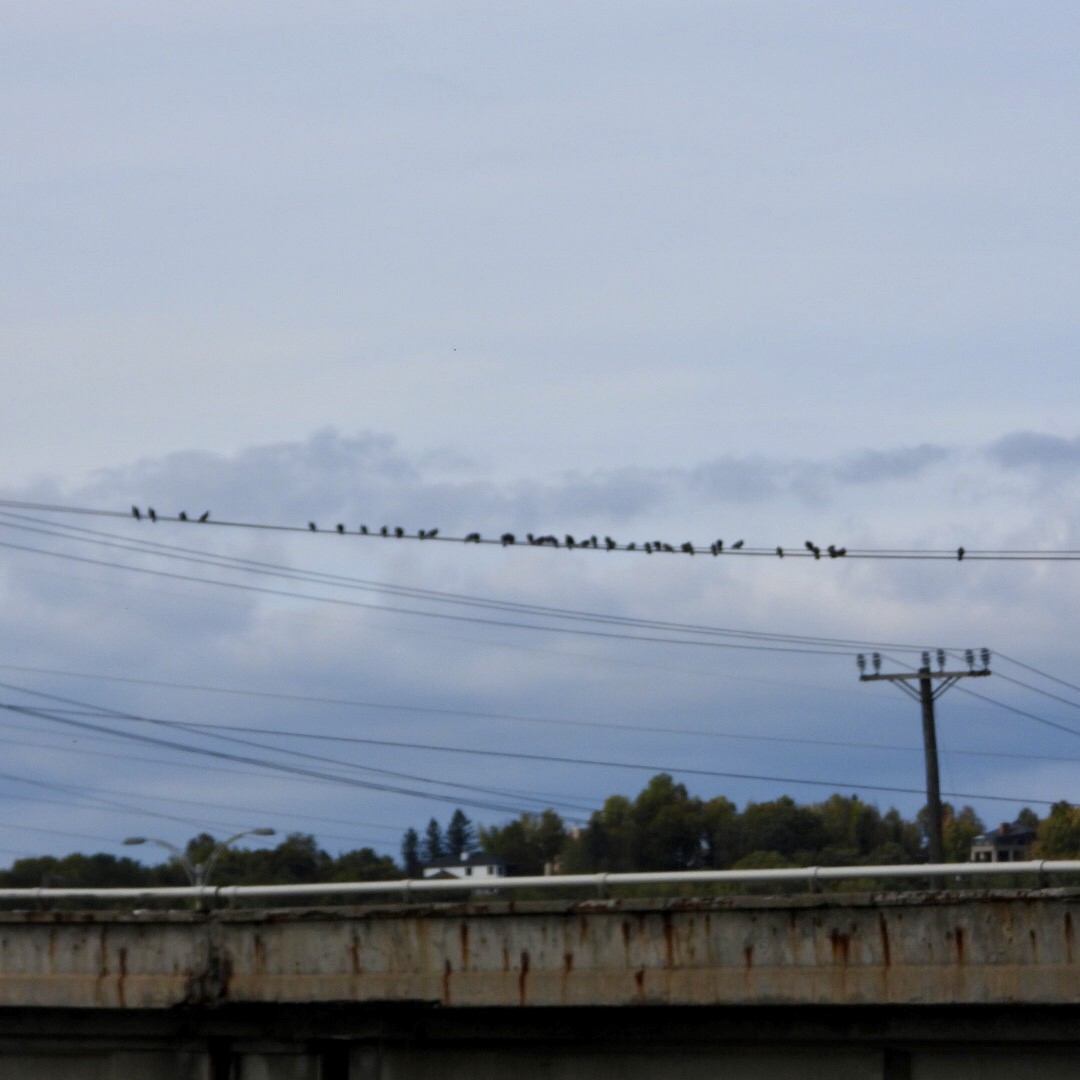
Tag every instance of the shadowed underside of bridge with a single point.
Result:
(891, 986)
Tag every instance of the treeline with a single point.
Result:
(666, 828)
(297, 860)
(663, 827)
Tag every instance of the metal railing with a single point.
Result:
(813, 876)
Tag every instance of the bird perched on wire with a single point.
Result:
(182, 515)
(340, 527)
(472, 538)
(780, 552)
(204, 516)
(687, 547)
(959, 552)
(363, 530)
(399, 531)
(312, 526)
(507, 539)
(151, 513)
(609, 543)
(738, 544)
(135, 513)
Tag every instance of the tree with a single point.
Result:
(460, 836)
(958, 829)
(669, 826)
(432, 846)
(795, 832)
(364, 865)
(410, 853)
(1059, 833)
(529, 843)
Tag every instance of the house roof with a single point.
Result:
(477, 858)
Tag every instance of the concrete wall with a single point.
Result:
(889, 986)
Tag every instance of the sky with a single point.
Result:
(681, 272)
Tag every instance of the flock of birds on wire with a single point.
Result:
(717, 547)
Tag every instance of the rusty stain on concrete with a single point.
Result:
(1068, 938)
(841, 947)
(523, 976)
(748, 956)
(354, 954)
(669, 940)
(958, 939)
(883, 933)
(448, 970)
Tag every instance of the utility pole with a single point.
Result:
(926, 695)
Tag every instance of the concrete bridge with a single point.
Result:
(890, 986)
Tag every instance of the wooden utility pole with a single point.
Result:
(926, 695)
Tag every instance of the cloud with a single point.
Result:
(873, 466)
(1032, 450)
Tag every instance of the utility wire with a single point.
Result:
(411, 592)
(800, 550)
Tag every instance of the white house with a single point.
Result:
(477, 865)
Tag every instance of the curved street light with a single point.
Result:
(198, 873)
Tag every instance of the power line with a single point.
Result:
(555, 759)
(318, 577)
(803, 550)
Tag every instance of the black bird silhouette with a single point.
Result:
(312, 526)
(204, 516)
(609, 543)
(570, 542)
(384, 531)
(363, 530)
(507, 539)
(809, 545)
(399, 531)
(151, 513)
(631, 546)
(714, 547)
(831, 549)
(738, 544)
(182, 515)
(648, 549)
(668, 547)
(340, 528)
(719, 546)
(472, 538)
(959, 553)
(135, 513)
(688, 548)
(780, 552)
(593, 542)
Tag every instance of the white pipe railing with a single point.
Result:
(812, 875)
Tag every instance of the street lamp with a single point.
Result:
(198, 873)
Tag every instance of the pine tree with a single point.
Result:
(432, 847)
(410, 853)
(460, 835)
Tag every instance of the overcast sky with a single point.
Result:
(679, 271)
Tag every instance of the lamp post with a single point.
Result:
(198, 873)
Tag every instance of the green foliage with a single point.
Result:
(528, 844)
(410, 853)
(1059, 833)
(460, 836)
(432, 847)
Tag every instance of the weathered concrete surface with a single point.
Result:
(907, 949)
